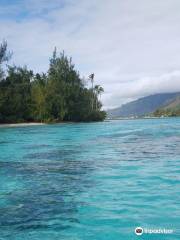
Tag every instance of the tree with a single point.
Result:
(38, 96)
(15, 95)
(4, 56)
(91, 77)
(98, 91)
(59, 95)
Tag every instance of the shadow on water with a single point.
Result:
(53, 154)
(46, 197)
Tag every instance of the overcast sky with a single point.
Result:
(133, 47)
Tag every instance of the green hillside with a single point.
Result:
(171, 109)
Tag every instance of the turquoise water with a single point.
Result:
(95, 181)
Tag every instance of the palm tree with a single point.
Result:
(91, 77)
(98, 90)
(101, 90)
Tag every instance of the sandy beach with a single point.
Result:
(20, 124)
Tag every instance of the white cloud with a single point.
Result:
(127, 91)
(132, 46)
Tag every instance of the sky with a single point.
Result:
(133, 47)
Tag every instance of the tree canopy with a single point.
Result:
(58, 95)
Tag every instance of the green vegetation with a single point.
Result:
(58, 95)
(172, 109)
(167, 113)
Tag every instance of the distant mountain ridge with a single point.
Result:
(143, 106)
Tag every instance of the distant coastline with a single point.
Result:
(141, 117)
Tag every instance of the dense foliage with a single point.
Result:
(58, 95)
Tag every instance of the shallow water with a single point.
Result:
(94, 181)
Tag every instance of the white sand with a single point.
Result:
(20, 124)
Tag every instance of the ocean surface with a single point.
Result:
(90, 181)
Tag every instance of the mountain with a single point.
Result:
(143, 106)
(171, 109)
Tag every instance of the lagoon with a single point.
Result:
(90, 181)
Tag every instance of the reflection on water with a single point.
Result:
(89, 181)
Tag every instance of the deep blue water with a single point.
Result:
(94, 181)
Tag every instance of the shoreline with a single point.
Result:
(29, 124)
(20, 124)
(137, 118)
